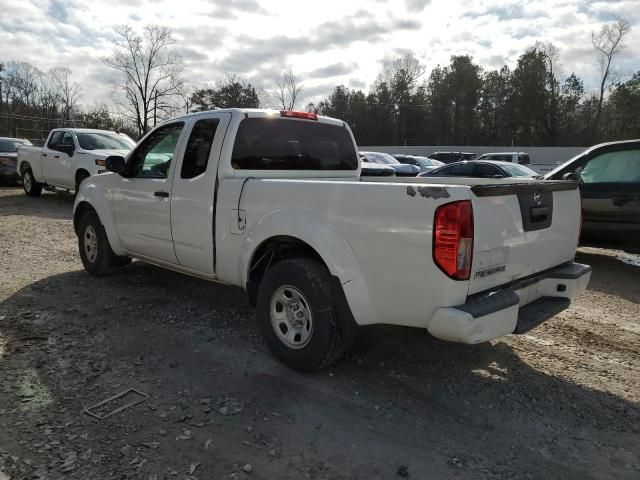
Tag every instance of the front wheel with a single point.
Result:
(95, 251)
(303, 315)
(31, 187)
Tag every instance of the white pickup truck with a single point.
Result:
(521, 158)
(273, 202)
(69, 156)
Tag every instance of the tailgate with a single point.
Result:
(521, 229)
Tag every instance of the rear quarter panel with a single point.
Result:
(32, 156)
(375, 237)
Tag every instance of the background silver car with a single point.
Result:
(8, 155)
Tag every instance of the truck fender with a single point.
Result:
(23, 165)
(328, 242)
(90, 196)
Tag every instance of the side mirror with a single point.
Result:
(68, 149)
(115, 164)
(571, 176)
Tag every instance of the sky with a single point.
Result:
(325, 43)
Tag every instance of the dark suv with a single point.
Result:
(450, 157)
(609, 178)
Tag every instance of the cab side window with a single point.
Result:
(67, 140)
(55, 139)
(196, 155)
(66, 144)
(152, 158)
(611, 167)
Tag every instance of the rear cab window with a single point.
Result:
(291, 144)
(523, 159)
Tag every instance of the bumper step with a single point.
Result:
(533, 314)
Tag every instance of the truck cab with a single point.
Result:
(68, 156)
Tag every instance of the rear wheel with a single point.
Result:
(95, 251)
(30, 185)
(303, 315)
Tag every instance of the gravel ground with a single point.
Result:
(560, 402)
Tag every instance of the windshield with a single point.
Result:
(11, 145)
(104, 141)
(428, 162)
(516, 170)
(379, 157)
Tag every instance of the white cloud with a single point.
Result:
(333, 39)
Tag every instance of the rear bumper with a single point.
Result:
(514, 308)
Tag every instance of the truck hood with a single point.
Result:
(107, 153)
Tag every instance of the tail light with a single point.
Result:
(453, 239)
(292, 114)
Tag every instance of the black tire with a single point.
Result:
(31, 187)
(81, 176)
(97, 257)
(333, 327)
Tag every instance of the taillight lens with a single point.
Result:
(453, 239)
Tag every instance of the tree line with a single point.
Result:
(464, 104)
(460, 103)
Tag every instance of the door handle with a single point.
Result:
(56, 156)
(161, 194)
(44, 154)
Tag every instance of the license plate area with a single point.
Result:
(536, 210)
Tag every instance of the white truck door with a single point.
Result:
(142, 197)
(64, 164)
(194, 191)
(51, 157)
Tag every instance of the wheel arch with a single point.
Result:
(94, 200)
(82, 208)
(81, 170)
(271, 251)
(312, 238)
(23, 166)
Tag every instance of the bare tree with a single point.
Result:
(551, 54)
(22, 83)
(287, 91)
(150, 74)
(185, 92)
(608, 44)
(400, 75)
(67, 92)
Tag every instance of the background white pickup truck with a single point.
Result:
(521, 158)
(273, 202)
(68, 157)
